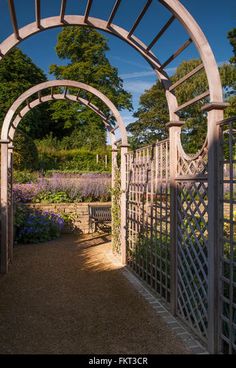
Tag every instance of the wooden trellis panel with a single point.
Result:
(192, 260)
(192, 242)
(148, 216)
(191, 167)
(227, 185)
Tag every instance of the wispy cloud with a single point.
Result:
(135, 75)
(126, 61)
(146, 74)
(137, 86)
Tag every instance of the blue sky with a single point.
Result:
(215, 17)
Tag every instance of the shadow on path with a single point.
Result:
(66, 297)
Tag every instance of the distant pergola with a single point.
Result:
(174, 169)
(25, 103)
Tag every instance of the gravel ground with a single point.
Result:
(66, 297)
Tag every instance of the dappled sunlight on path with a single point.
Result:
(66, 296)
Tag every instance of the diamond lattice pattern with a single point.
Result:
(192, 234)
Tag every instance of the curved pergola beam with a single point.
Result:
(10, 124)
(70, 20)
(178, 12)
(202, 45)
(55, 97)
(62, 83)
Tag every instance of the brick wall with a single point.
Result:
(79, 211)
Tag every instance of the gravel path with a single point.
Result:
(66, 297)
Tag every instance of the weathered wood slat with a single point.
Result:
(187, 76)
(177, 53)
(38, 12)
(62, 10)
(87, 10)
(140, 17)
(192, 101)
(113, 13)
(13, 18)
(164, 28)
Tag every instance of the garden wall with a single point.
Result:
(79, 212)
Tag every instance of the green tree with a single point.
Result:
(25, 152)
(84, 51)
(152, 114)
(231, 94)
(152, 117)
(17, 74)
(232, 40)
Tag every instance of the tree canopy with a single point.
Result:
(232, 40)
(152, 117)
(152, 114)
(231, 93)
(84, 51)
(17, 74)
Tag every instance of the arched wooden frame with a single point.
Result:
(178, 12)
(214, 108)
(10, 124)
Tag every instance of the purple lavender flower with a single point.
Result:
(85, 187)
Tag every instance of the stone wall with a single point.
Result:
(78, 211)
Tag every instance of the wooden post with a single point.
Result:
(105, 161)
(4, 206)
(174, 136)
(215, 114)
(114, 153)
(97, 158)
(10, 203)
(123, 227)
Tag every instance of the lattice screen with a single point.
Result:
(10, 208)
(148, 216)
(228, 241)
(192, 265)
(192, 241)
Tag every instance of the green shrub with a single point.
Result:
(53, 157)
(49, 197)
(25, 152)
(25, 176)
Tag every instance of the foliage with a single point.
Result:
(49, 173)
(34, 226)
(61, 189)
(25, 176)
(230, 111)
(84, 50)
(17, 74)
(152, 114)
(232, 40)
(49, 197)
(54, 155)
(24, 193)
(25, 154)
(152, 117)
(69, 221)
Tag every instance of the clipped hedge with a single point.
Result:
(76, 159)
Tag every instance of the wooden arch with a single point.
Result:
(214, 110)
(177, 10)
(10, 124)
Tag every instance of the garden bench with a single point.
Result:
(99, 214)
